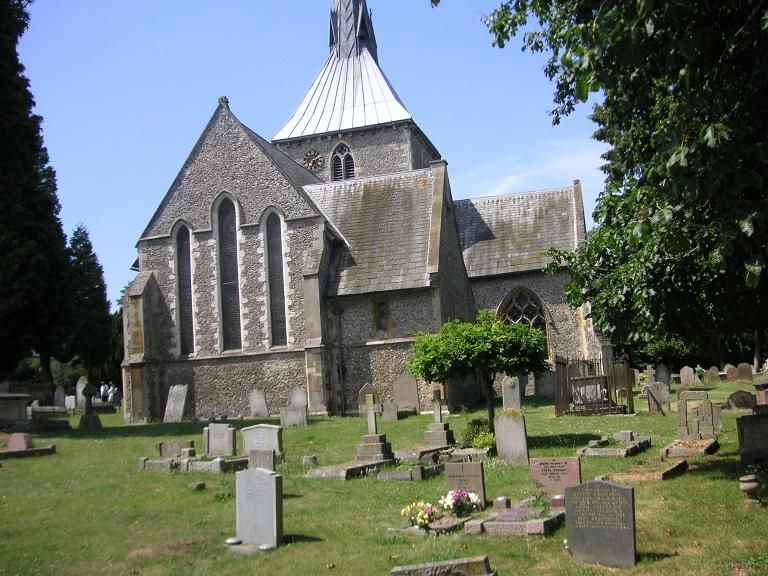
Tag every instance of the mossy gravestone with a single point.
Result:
(600, 524)
(511, 439)
(177, 401)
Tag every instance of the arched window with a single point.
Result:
(276, 280)
(524, 307)
(184, 290)
(229, 284)
(342, 164)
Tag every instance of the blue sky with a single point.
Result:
(126, 88)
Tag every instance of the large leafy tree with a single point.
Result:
(681, 242)
(33, 294)
(482, 349)
(90, 338)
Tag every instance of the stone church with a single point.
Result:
(312, 260)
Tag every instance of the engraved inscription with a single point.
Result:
(600, 507)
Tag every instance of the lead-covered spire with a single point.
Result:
(351, 29)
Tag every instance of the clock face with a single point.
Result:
(314, 161)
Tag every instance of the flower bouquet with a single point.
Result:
(420, 513)
(460, 502)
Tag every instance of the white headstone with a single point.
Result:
(511, 439)
(263, 437)
(299, 398)
(259, 503)
(219, 440)
(258, 404)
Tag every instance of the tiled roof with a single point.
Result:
(504, 234)
(350, 91)
(386, 220)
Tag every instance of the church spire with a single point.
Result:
(351, 29)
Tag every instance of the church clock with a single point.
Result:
(314, 161)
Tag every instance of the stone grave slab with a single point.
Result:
(467, 476)
(259, 508)
(753, 438)
(257, 402)
(600, 524)
(264, 459)
(405, 392)
(477, 566)
(741, 400)
(219, 440)
(658, 398)
(263, 437)
(556, 474)
(177, 401)
(299, 398)
(389, 412)
(172, 448)
(511, 439)
(291, 416)
(744, 372)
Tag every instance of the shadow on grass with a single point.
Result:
(298, 538)
(559, 440)
(718, 467)
(655, 556)
(291, 496)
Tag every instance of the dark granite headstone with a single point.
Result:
(753, 438)
(741, 400)
(467, 476)
(600, 524)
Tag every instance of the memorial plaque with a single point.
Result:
(511, 439)
(263, 437)
(219, 440)
(467, 476)
(177, 400)
(264, 459)
(257, 402)
(556, 474)
(259, 507)
(600, 524)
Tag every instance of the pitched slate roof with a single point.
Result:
(386, 220)
(505, 234)
(350, 91)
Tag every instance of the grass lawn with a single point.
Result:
(88, 510)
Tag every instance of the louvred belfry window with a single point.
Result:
(184, 288)
(276, 280)
(343, 164)
(229, 284)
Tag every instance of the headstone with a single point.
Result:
(753, 438)
(687, 376)
(389, 412)
(636, 372)
(259, 502)
(556, 474)
(658, 398)
(712, 376)
(172, 448)
(290, 416)
(662, 374)
(708, 420)
(600, 524)
(731, 374)
(466, 476)
(437, 411)
(79, 387)
(219, 440)
(511, 393)
(177, 400)
(70, 402)
(682, 410)
(744, 372)
(405, 392)
(264, 459)
(511, 439)
(741, 400)
(58, 396)
(19, 441)
(373, 427)
(257, 401)
(263, 437)
(366, 397)
(650, 376)
(299, 398)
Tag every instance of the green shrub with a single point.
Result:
(474, 427)
(484, 439)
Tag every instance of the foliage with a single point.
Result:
(665, 348)
(66, 374)
(460, 502)
(472, 429)
(33, 289)
(681, 241)
(484, 439)
(420, 513)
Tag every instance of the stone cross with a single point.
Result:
(372, 425)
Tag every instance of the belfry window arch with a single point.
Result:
(184, 311)
(342, 163)
(226, 230)
(523, 306)
(275, 269)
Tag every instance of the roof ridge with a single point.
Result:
(515, 195)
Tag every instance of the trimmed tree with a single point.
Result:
(483, 349)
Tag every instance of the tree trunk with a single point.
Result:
(45, 371)
(756, 358)
(489, 400)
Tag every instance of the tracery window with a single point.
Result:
(275, 275)
(229, 284)
(184, 290)
(525, 308)
(342, 164)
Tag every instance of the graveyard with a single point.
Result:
(88, 508)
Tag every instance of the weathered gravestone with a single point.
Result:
(19, 441)
(177, 401)
(259, 502)
(511, 439)
(741, 400)
(663, 375)
(466, 476)
(753, 438)
(556, 474)
(70, 402)
(264, 459)
(263, 437)
(712, 376)
(600, 524)
(299, 398)
(405, 392)
(79, 387)
(511, 393)
(477, 566)
(257, 402)
(744, 372)
(687, 376)
(58, 396)
(172, 448)
(389, 412)
(290, 416)
(658, 398)
(707, 419)
(731, 374)
(219, 440)
(366, 396)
